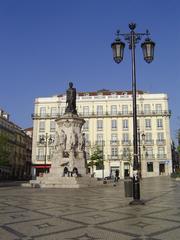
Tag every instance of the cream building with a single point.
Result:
(109, 122)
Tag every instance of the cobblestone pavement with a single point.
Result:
(91, 213)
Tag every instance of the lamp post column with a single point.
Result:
(136, 183)
(46, 144)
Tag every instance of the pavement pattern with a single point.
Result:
(91, 213)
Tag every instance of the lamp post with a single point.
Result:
(132, 38)
(46, 140)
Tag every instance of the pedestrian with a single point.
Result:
(116, 175)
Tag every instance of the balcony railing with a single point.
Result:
(149, 142)
(103, 114)
(114, 142)
(100, 143)
(42, 157)
(114, 157)
(126, 142)
(148, 156)
(161, 156)
(161, 142)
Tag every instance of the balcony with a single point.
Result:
(126, 142)
(42, 157)
(148, 157)
(114, 142)
(103, 114)
(160, 142)
(114, 157)
(161, 156)
(149, 142)
(100, 143)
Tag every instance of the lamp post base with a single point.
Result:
(137, 202)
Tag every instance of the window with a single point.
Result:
(138, 123)
(149, 167)
(124, 109)
(158, 108)
(40, 154)
(114, 151)
(148, 123)
(161, 151)
(160, 136)
(113, 109)
(99, 139)
(53, 111)
(125, 124)
(148, 137)
(62, 110)
(114, 138)
(159, 123)
(42, 136)
(126, 153)
(99, 125)
(52, 126)
(86, 126)
(51, 150)
(125, 137)
(42, 126)
(113, 124)
(99, 110)
(86, 110)
(149, 152)
(147, 108)
(137, 108)
(42, 111)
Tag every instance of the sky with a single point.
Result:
(44, 44)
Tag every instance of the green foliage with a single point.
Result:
(175, 175)
(178, 149)
(96, 159)
(4, 153)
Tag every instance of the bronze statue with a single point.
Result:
(71, 99)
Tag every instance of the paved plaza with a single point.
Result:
(91, 213)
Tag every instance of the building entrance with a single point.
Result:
(161, 168)
(126, 170)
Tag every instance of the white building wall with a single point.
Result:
(106, 101)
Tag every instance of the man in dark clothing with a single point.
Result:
(116, 175)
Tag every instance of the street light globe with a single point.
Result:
(118, 50)
(148, 50)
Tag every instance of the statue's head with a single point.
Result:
(70, 84)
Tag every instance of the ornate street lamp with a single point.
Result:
(46, 140)
(148, 50)
(132, 39)
(118, 49)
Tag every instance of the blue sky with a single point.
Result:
(44, 44)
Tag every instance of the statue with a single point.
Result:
(71, 99)
(82, 142)
(62, 140)
(73, 141)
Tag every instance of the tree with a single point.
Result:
(4, 153)
(96, 159)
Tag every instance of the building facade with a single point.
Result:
(109, 125)
(15, 150)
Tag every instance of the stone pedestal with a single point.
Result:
(68, 168)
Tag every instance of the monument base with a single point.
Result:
(48, 181)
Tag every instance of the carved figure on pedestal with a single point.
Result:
(62, 140)
(71, 99)
(82, 142)
(73, 141)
